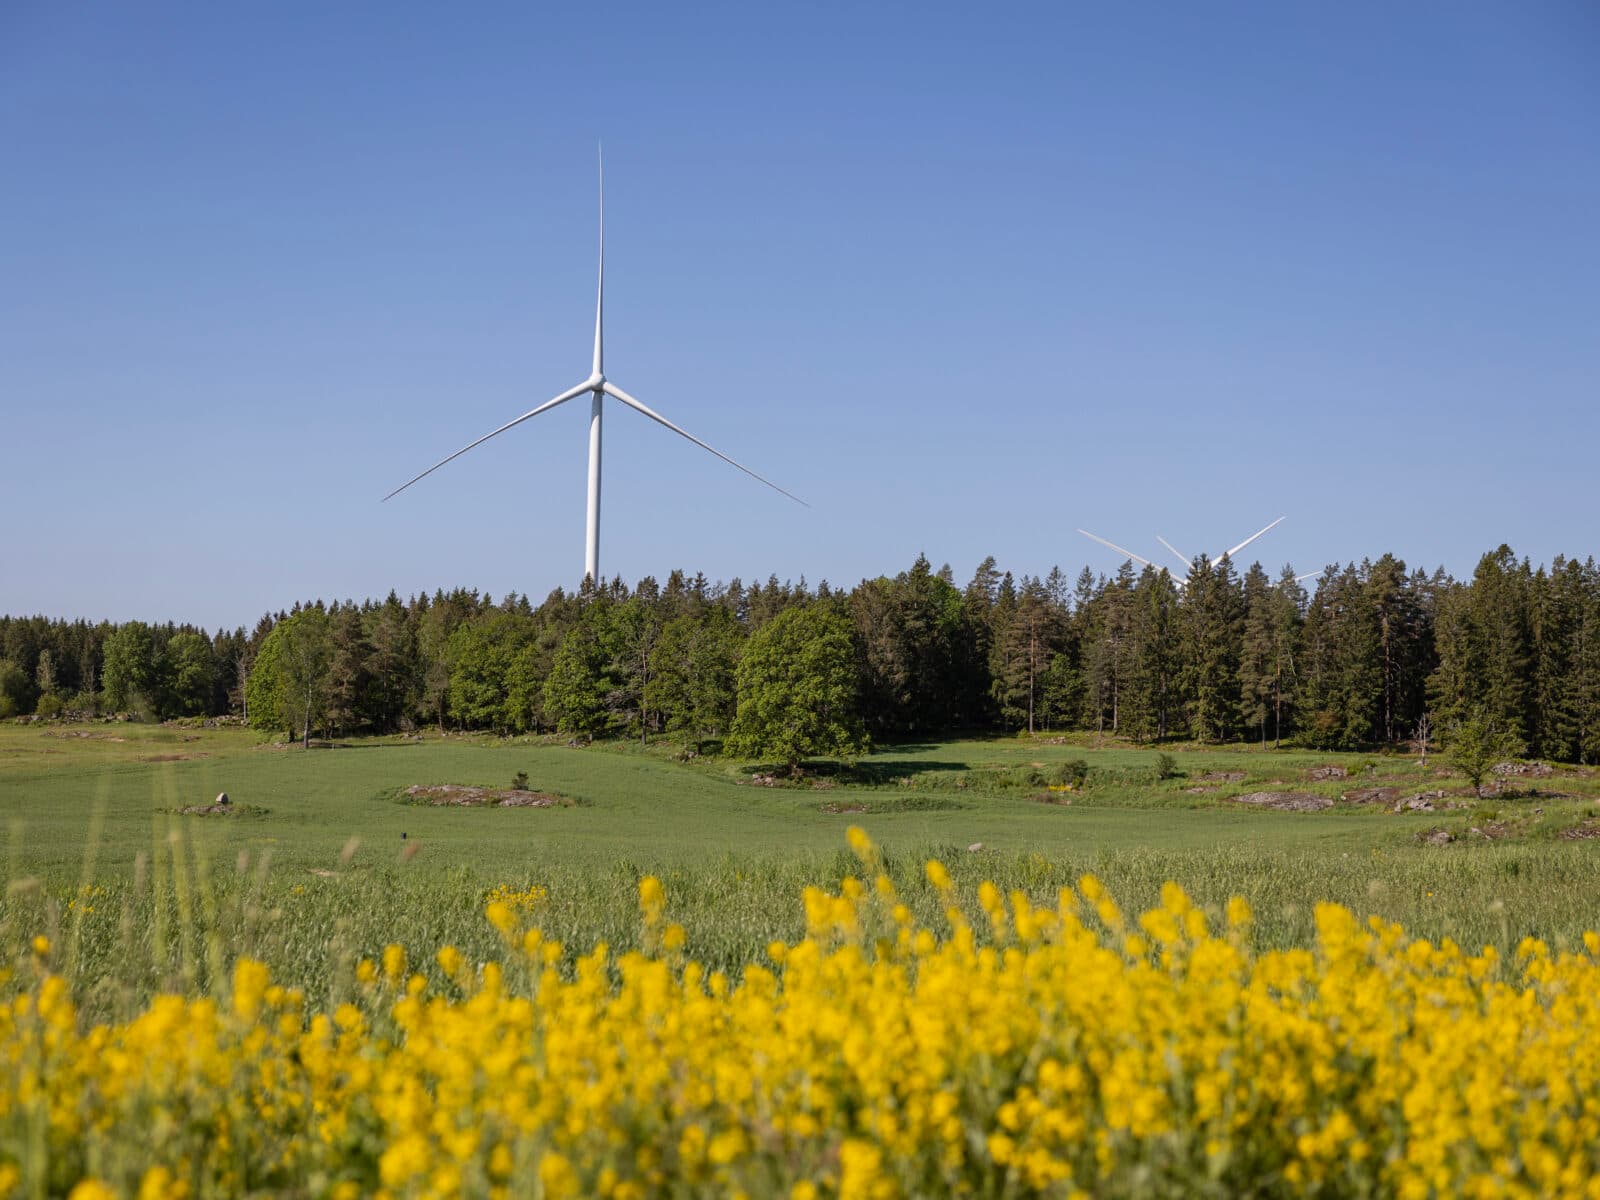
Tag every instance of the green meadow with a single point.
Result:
(324, 858)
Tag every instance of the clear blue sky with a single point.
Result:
(965, 277)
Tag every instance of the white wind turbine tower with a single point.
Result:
(599, 387)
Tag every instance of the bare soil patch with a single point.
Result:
(1223, 777)
(1436, 837)
(1285, 801)
(837, 808)
(451, 795)
(84, 733)
(1202, 790)
(1582, 832)
(170, 757)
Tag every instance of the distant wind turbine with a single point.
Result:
(1184, 558)
(599, 387)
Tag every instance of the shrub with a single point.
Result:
(519, 781)
(1071, 773)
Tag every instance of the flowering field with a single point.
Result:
(1059, 1048)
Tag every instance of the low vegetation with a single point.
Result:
(308, 976)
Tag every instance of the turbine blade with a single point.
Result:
(600, 295)
(613, 390)
(1184, 559)
(1230, 553)
(1307, 575)
(583, 387)
(1112, 545)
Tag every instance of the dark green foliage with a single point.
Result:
(14, 692)
(797, 690)
(130, 665)
(1358, 663)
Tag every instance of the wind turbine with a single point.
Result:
(598, 387)
(1184, 558)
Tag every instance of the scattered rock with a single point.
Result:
(975, 847)
(838, 808)
(222, 798)
(1199, 791)
(1491, 831)
(1052, 798)
(1421, 802)
(1582, 832)
(220, 809)
(453, 795)
(1436, 837)
(1384, 796)
(1223, 777)
(1537, 770)
(1286, 801)
(1318, 774)
(761, 780)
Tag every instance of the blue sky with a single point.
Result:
(965, 277)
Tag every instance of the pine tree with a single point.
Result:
(1214, 622)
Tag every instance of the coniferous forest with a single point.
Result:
(1371, 654)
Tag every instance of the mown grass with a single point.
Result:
(330, 864)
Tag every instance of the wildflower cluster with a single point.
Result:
(1058, 1048)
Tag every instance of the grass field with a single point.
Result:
(220, 1002)
(313, 871)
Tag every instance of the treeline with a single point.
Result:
(1374, 654)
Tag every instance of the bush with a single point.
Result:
(519, 781)
(1167, 767)
(1071, 773)
(49, 706)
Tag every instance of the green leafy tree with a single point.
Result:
(130, 666)
(484, 656)
(45, 674)
(190, 670)
(1478, 743)
(288, 686)
(797, 690)
(350, 683)
(395, 664)
(693, 673)
(577, 691)
(14, 695)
